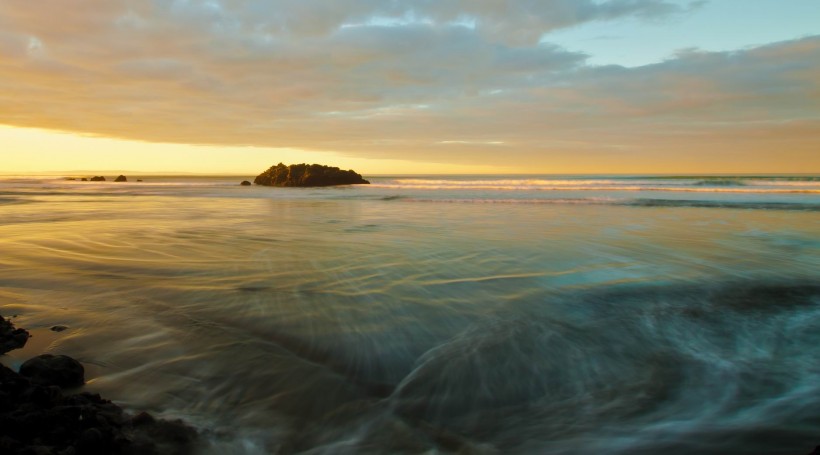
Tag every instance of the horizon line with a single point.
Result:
(84, 173)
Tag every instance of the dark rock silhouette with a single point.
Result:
(308, 175)
(139, 180)
(84, 179)
(59, 370)
(245, 183)
(58, 328)
(121, 178)
(10, 337)
(98, 178)
(37, 418)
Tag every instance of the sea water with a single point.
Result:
(481, 314)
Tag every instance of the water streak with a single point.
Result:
(395, 318)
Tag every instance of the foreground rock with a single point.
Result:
(39, 419)
(36, 417)
(308, 175)
(59, 370)
(11, 338)
(121, 178)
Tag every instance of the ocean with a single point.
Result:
(434, 314)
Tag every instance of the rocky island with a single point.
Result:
(297, 175)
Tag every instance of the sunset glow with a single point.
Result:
(450, 87)
(527, 227)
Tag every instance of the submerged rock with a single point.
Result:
(245, 183)
(121, 178)
(59, 370)
(10, 337)
(308, 175)
(58, 328)
(98, 178)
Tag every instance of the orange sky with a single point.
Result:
(451, 87)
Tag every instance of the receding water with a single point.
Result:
(546, 315)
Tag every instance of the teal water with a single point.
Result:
(491, 314)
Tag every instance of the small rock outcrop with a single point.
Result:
(121, 178)
(59, 370)
(308, 175)
(83, 179)
(97, 178)
(10, 337)
(245, 183)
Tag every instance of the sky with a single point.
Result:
(403, 87)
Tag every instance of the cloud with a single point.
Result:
(427, 80)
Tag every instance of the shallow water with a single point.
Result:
(566, 315)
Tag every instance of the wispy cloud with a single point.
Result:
(392, 79)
